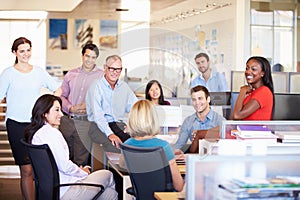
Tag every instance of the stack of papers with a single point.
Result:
(253, 130)
(260, 188)
(255, 133)
(288, 136)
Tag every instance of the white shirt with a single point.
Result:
(69, 172)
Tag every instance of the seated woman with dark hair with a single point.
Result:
(43, 129)
(154, 93)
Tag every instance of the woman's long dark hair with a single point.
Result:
(17, 42)
(161, 100)
(267, 78)
(40, 108)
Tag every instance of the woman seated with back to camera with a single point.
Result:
(43, 129)
(154, 93)
(143, 125)
(256, 100)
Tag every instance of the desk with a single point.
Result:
(123, 178)
(113, 164)
(182, 169)
(168, 196)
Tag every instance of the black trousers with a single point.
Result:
(118, 129)
(76, 135)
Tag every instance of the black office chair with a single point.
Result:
(46, 176)
(149, 171)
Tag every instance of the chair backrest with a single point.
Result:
(148, 169)
(45, 171)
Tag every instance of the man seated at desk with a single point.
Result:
(204, 123)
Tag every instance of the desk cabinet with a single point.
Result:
(206, 174)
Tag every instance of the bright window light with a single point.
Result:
(23, 14)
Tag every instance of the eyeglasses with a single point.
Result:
(112, 69)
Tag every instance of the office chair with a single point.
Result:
(46, 177)
(148, 169)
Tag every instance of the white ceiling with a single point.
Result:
(41, 5)
(106, 9)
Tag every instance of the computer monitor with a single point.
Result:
(286, 105)
(169, 116)
(220, 98)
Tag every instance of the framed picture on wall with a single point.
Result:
(83, 32)
(108, 34)
(58, 38)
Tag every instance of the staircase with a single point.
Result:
(6, 157)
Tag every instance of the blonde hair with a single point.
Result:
(143, 119)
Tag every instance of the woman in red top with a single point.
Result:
(256, 100)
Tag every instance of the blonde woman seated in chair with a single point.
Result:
(143, 125)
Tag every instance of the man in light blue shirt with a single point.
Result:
(213, 81)
(108, 101)
(203, 119)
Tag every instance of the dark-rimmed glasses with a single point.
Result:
(112, 69)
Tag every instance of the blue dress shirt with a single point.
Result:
(192, 123)
(105, 105)
(215, 83)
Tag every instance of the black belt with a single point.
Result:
(78, 117)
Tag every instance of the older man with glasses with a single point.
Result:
(108, 101)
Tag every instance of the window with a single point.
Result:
(272, 36)
(33, 29)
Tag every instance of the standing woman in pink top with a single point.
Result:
(256, 99)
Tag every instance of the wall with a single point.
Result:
(71, 57)
(212, 32)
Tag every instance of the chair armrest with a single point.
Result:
(131, 191)
(87, 184)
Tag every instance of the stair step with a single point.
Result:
(9, 171)
(7, 161)
(3, 135)
(2, 126)
(4, 144)
(6, 156)
(6, 153)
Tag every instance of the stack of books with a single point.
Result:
(255, 133)
(288, 136)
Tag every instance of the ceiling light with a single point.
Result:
(122, 9)
(192, 12)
